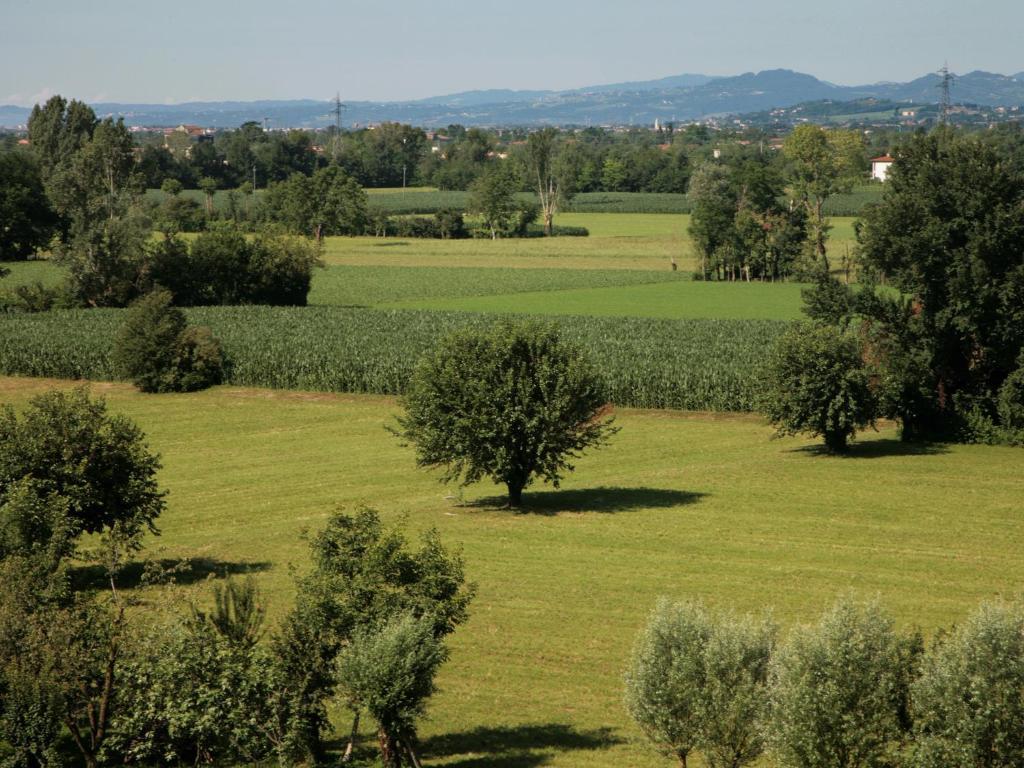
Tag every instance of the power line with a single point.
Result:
(338, 107)
(945, 85)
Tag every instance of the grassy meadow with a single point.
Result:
(611, 272)
(679, 504)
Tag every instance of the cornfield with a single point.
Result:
(683, 364)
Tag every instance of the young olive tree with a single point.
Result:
(390, 671)
(969, 700)
(364, 574)
(512, 403)
(839, 691)
(816, 382)
(699, 682)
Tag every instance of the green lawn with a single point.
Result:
(679, 299)
(370, 286)
(685, 505)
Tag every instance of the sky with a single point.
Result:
(184, 50)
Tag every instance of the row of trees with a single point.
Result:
(848, 692)
(759, 217)
(90, 669)
(943, 353)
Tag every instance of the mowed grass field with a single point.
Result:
(682, 505)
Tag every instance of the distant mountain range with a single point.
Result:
(679, 98)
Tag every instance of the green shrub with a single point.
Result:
(816, 382)
(969, 699)
(147, 342)
(158, 352)
(839, 691)
(511, 403)
(198, 360)
(699, 682)
(1011, 400)
(389, 670)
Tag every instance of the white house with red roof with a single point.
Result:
(880, 166)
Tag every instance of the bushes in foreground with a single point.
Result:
(850, 691)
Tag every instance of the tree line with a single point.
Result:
(850, 691)
(933, 334)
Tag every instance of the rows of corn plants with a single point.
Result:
(646, 363)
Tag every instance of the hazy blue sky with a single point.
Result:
(177, 50)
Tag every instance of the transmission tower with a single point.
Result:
(338, 108)
(945, 86)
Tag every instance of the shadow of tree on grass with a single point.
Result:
(523, 746)
(602, 499)
(877, 449)
(183, 571)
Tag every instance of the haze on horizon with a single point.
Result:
(114, 50)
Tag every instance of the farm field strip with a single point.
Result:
(680, 505)
(367, 286)
(645, 362)
(669, 300)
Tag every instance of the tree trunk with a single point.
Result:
(835, 442)
(682, 758)
(515, 494)
(351, 739)
(389, 753)
(549, 219)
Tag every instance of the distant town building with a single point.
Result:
(880, 167)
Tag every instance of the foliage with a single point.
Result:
(363, 576)
(27, 220)
(822, 163)
(104, 262)
(35, 525)
(829, 301)
(510, 404)
(1011, 399)
(699, 682)
(389, 670)
(198, 360)
(33, 297)
(94, 461)
(738, 224)
(703, 365)
(839, 690)
(157, 352)
(329, 202)
(969, 699)
(199, 689)
(492, 196)
(949, 236)
(816, 382)
(223, 267)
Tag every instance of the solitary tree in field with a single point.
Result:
(816, 382)
(548, 173)
(512, 404)
(493, 196)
